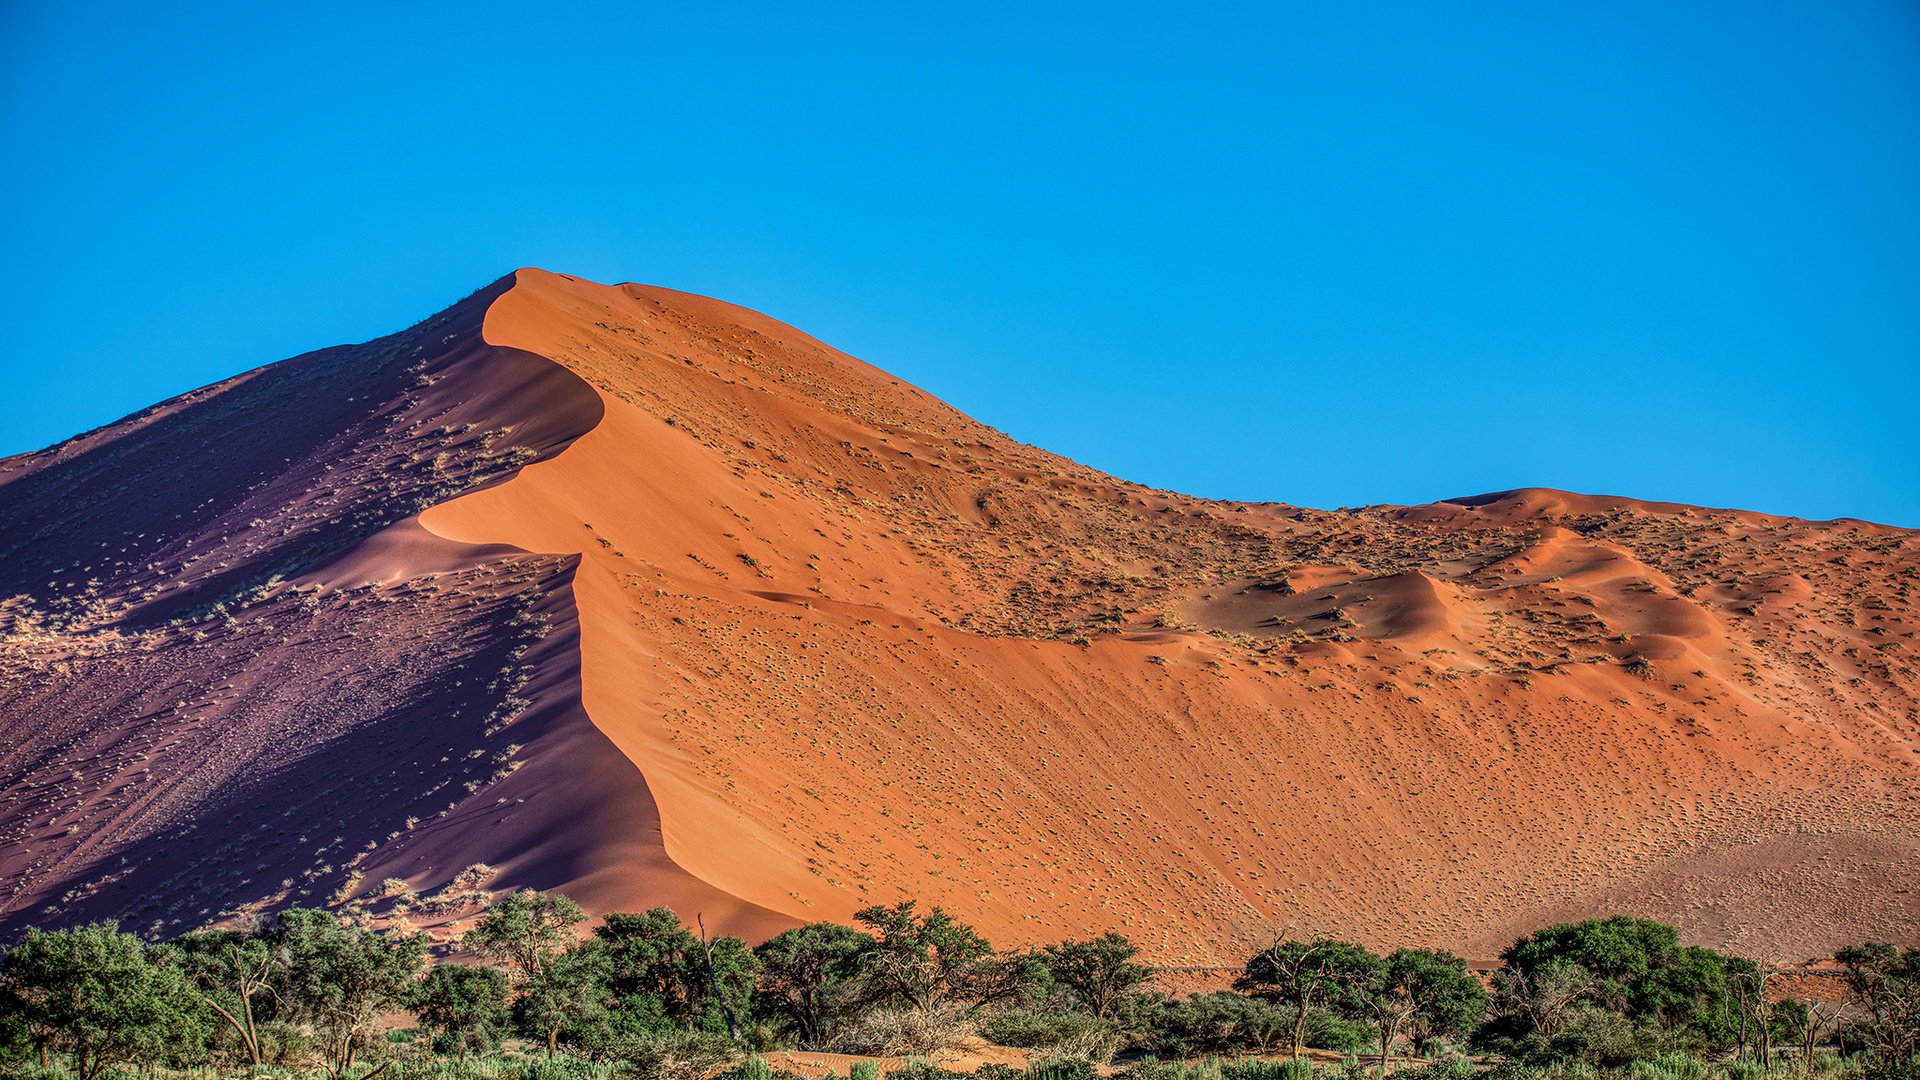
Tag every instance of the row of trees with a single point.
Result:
(650, 990)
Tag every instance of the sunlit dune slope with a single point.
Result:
(771, 635)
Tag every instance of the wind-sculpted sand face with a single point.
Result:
(761, 632)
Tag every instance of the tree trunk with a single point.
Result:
(726, 1010)
(249, 1035)
(1300, 1027)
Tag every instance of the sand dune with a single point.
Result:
(654, 599)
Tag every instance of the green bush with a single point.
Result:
(1062, 1068)
(1296, 1069)
(559, 1068)
(673, 1055)
(1877, 1067)
(1075, 1035)
(1680, 1067)
(754, 1068)
(1257, 1069)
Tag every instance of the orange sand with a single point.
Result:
(798, 637)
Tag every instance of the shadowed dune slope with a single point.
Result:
(701, 611)
(239, 674)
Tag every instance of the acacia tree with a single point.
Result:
(559, 978)
(663, 974)
(1884, 983)
(343, 978)
(1302, 975)
(809, 978)
(465, 1003)
(1386, 1003)
(234, 972)
(528, 929)
(1101, 972)
(1447, 999)
(1539, 1001)
(928, 961)
(1637, 967)
(569, 991)
(104, 996)
(1746, 983)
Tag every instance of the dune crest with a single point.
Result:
(748, 626)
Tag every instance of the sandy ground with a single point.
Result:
(654, 599)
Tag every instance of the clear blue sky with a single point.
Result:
(1331, 253)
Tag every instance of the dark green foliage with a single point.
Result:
(568, 997)
(1297, 976)
(1220, 1023)
(1533, 1005)
(809, 979)
(669, 1055)
(920, 962)
(1638, 967)
(236, 973)
(1068, 1034)
(1100, 973)
(1609, 992)
(559, 981)
(342, 978)
(642, 997)
(527, 929)
(659, 976)
(1444, 998)
(465, 1004)
(101, 996)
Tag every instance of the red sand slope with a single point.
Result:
(710, 614)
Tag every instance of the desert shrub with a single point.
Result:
(1880, 1066)
(1678, 1067)
(754, 1068)
(905, 1032)
(286, 1045)
(919, 1068)
(1457, 1068)
(1062, 1068)
(1296, 1069)
(1075, 1035)
(1260, 1069)
(1219, 1023)
(671, 1055)
(864, 1070)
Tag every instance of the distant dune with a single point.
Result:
(652, 599)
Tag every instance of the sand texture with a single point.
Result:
(653, 599)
